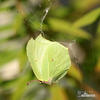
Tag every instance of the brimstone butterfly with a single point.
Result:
(50, 61)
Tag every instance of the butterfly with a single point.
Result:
(50, 60)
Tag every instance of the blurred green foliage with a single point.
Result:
(74, 23)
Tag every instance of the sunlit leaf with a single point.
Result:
(6, 27)
(20, 87)
(75, 73)
(13, 44)
(65, 27)
(6, 34)
(84, 5)
(7, 56)
(58, 93)
(97, 68)
(9, 70)
(87, 19)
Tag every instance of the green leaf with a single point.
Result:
(88, 18)
(20, 87)
(58, 93)
(6, 27)
(5, 34)
(7, 56)
(65, 27)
